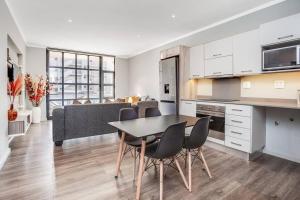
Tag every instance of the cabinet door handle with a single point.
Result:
(187, 103)
(219, 54)
(195, 75)
(236, 132)
(246, 71)
(237, 121)
(237, 144)
(217, 72)
(285, 37)
(237, 110)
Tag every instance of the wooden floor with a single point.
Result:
(84, 169)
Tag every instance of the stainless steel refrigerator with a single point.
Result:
(169, 85)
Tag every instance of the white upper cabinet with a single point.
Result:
(218, 66)
(197, 62)
(247, 53)
(218, 48)
(284, 29)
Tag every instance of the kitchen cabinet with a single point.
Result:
(218, 66)
(281, 30)
(247, 53)
(218, 48)
(187, 108)
(245, 128)
(196, 62)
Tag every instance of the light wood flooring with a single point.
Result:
(84, 169)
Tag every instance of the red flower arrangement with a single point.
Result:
(36, 89)
(14, 89)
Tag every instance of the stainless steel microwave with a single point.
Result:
(281, 58)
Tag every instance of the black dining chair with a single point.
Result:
(152, 112)
(167, 148)
(131, 142)
(194, 141)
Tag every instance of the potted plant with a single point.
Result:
(36, 91)
(14, 89)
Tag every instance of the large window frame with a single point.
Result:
(101, 84)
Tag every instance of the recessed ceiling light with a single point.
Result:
(173, 16)
(70, 20)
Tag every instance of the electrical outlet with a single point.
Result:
(279, 84)
(247, 85)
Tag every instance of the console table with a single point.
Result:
(20, 125)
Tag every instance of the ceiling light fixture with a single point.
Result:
(173, 16)
(70, 20)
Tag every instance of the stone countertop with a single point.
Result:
(262, 102)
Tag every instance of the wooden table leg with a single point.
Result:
(120, 155)
(141, 169)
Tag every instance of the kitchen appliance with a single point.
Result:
(281, 58)
(169, 85)
(217, 122)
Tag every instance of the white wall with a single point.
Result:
(121, 71)
(7, 27)
(144, 74)
(36, 66)
(283, 140)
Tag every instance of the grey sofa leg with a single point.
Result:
(58, 143)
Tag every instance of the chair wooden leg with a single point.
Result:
(120, 155)
(190, 170)
(205, 164)
(146, 164)
(181, 173)
(134, 167)
(161, 179)
(125, 146)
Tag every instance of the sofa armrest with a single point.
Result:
(58, 124)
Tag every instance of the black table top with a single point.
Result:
(143, 127)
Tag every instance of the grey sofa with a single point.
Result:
(76, 121)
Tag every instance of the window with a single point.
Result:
(79, 75)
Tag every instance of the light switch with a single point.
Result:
(246, 84)
(279, 84)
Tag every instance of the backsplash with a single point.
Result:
(262, 86)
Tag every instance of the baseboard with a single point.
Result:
(4, 158)
(286, 157)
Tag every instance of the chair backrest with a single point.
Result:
(171, 141)
(145, 104)
(199, 132)
(127, 114)
(152, 112)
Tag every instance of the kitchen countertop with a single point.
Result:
(262, 102)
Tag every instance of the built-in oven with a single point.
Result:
(282, 58)
(217, 122)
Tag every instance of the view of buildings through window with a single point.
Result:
(79, 76)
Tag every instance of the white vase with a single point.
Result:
(36, 115)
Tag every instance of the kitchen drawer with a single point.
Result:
(238, 144)
(187, 108)
(237, 132)
(239, 110)
(238, 121)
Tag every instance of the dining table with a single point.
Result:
(142, 128)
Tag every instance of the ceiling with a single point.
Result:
(120, 27)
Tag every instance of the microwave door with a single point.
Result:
(283, 58)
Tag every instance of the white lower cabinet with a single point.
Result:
(187, 108)
(245, 128)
